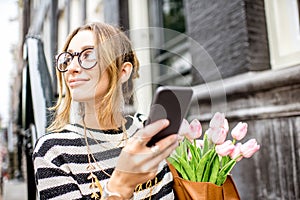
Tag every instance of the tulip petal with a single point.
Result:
(239, 131)
(217, 120)
(249, 148)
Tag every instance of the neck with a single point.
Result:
(91, 119)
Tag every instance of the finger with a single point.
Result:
(163, 149)
(164, 154)
(167, 141)
(148, 159)
(146, 133)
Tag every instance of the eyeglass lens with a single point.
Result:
(86, 59)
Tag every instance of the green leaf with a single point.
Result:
(178, 166)
(207, 171)
(214, 170)
(187, 170)
(206, 144)
(181, 150)
(193, 152)
(225, 160)
(202, 166)
(173, 161)
(197, 151)
(224, 172)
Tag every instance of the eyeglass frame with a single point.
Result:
(78, 54)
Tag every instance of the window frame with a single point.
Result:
(284, 32)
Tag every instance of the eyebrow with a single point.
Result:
(82, 48)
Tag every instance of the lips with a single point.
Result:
(77, 81)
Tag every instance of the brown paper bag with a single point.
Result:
(188, 190)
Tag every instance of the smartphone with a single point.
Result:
(172, 103)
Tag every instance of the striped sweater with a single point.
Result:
(61, 160)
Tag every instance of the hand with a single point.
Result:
(137, 162)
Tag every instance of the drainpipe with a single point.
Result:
(139, 34)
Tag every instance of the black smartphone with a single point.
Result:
(172, 103)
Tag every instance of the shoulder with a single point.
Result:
(135, 122)
(55, 139)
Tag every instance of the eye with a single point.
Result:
(63, 61)
(88, 55)
(88, 59)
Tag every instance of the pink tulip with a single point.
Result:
(184, 128)
(218, 128)
(218, 135)
(217, 120)
(191, 131)
(196, 129)
(225, 149)
(236, 153)
(225, 125)
(239, 131)
(249, 148)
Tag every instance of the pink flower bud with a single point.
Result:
(226, 125)
(218, 135)
(225, 149)
(184, 128)
(239, 131)
(191, 131)
(236, 153)
(249, 148)
(209, 133)
(217, 120)
(218, 128)
(196, 129)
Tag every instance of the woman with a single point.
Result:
(92, 150)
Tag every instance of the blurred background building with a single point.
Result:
(241, 57)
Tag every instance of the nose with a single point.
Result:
(74, 66)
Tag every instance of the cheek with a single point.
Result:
(65, 77)
(102, 86)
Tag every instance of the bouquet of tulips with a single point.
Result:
(212, 158)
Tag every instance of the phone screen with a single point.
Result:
(172, 103)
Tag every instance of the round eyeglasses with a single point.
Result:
(86, 59)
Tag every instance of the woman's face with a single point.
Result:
(84, 84)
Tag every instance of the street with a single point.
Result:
(14, 190)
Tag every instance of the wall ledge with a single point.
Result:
(249, 82)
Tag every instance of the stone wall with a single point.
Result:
(232, 32)
(269, 102)
(234, 35)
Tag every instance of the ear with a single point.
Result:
(125, 72)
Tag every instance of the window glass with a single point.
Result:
(173, 17)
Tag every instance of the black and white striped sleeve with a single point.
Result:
(54, 181)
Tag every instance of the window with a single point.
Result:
(284, 32)
(173, 59)
(173, 17)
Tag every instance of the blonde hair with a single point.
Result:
(113, 48)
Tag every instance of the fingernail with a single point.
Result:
(166, 122)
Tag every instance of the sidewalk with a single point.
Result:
(14, 190)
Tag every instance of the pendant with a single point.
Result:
(95, 183)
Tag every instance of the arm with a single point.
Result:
(53, 181)
(137, 162)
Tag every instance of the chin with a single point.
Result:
(81, 98)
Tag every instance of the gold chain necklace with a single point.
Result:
(95, 183)
(91, 159)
